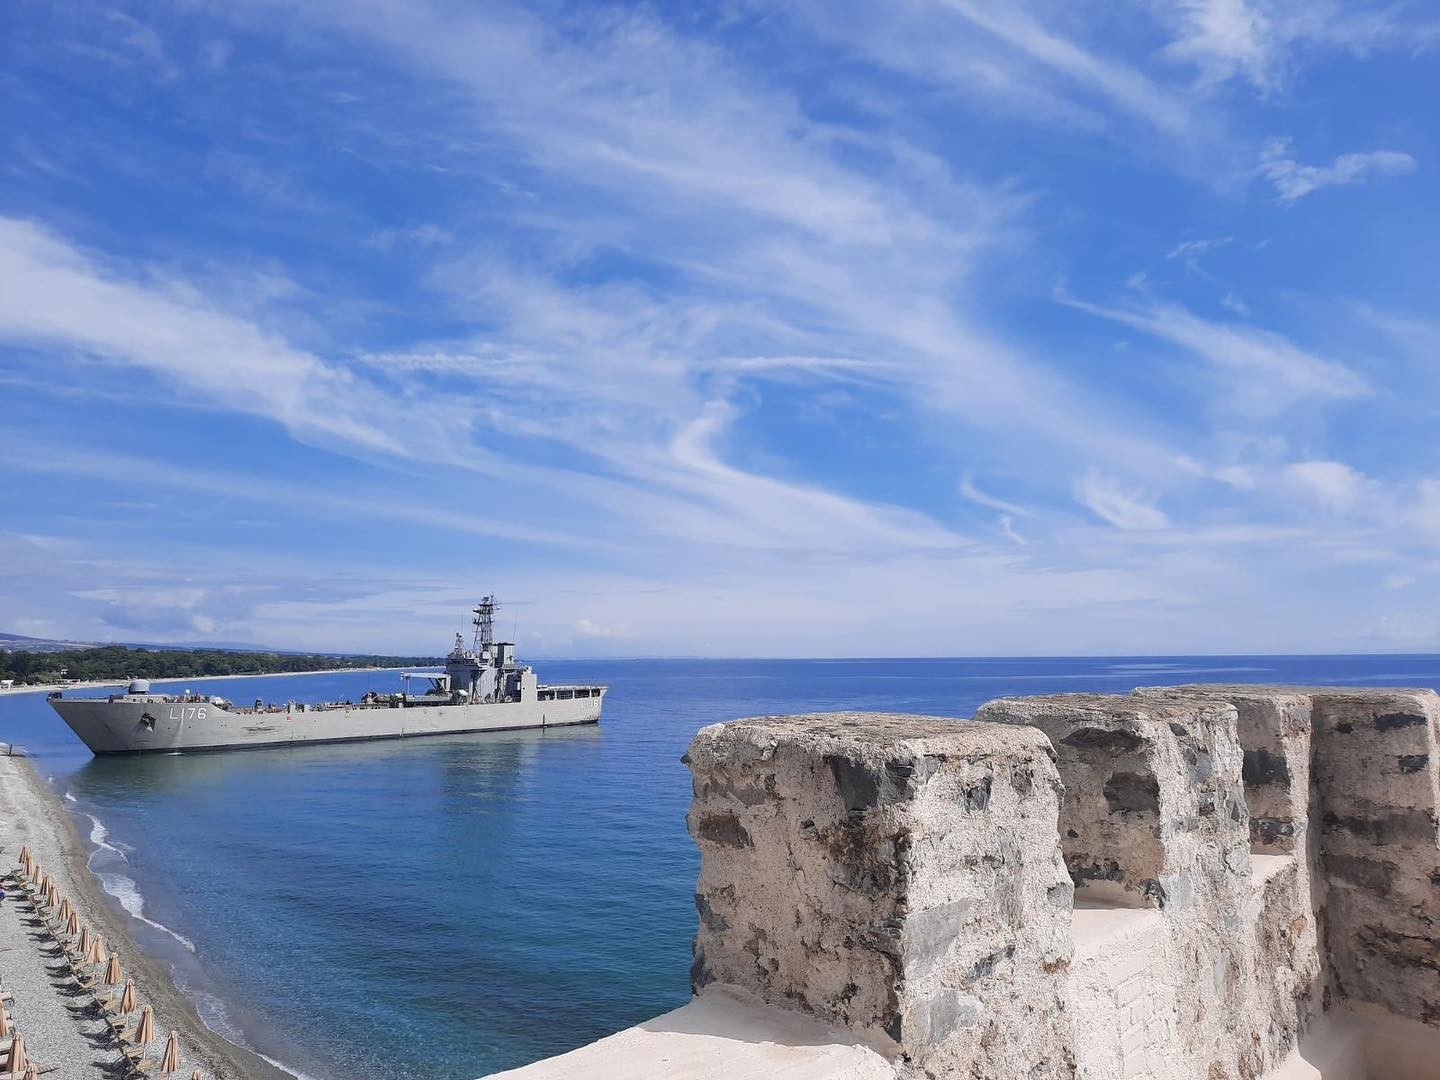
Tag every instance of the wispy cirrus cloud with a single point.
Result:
(1261, 42)
(1266, 372)
(1293, 180)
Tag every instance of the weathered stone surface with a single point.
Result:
(1153, 798)
(902, 878)
(1378, 783)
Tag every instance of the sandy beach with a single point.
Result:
(61, 1024)
(45, 688)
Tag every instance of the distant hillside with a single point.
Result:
(40, 665)
(38, 645)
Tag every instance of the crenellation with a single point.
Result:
(1183, 883)
(901, 878)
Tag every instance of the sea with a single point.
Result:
(454, 906)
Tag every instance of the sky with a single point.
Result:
(824, 328)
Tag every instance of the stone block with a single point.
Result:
(896, 875)
(1154, 812)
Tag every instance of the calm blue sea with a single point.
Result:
(474, 903)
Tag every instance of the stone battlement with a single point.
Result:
(1184, 883)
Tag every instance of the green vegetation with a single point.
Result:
(119, 662)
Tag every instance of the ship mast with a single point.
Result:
(484, 623)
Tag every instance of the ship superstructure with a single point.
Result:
(483, 688)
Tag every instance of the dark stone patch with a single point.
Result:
(859, 786)
(1271, 830)
(884, 938)
(1179, 729)
(1199, 765)
(978, 797)
(986, 965)
(700, 974)
(861, 858)
(1023, 780)
(1128, 792)
(1413, 762)
(709, 917)
(1393, 720)
(1402, 827)
(1369, 874)
(1262, 767)
(1155, 891)
(1095, 872)
(1345, 729)
(1104, 740)
(724, 829)
(862, 787)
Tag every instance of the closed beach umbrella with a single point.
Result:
(112, 970)
(25, 856)
(96, 953)
(84, 945)
(72, 923)
(127, 997)
(196, 1075)
(52, 894)
(17, 1061)
(170, 1060)
(4, 1022)
(145, 1029)
(35, 871)
(65, 909)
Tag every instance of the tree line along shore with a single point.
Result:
(111, 662)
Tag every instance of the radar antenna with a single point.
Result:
(484, 623)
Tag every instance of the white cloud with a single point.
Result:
(53, 294)
(1123, 508)
(1267, 372)
(1191, 250)
(1293, 181)
(975, 495)
(1262, 42)
(1333, 484)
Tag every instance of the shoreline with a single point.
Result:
(37, 816)
(92, 684)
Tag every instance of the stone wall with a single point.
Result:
(894, 875)
(1251, 855)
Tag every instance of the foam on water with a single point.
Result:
(124, 890)
(99, 836)
(69, 797)
(215, 1015)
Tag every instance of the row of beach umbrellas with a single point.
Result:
(86, 954)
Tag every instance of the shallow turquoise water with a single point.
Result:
(473, 903)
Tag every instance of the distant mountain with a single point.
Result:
(21, 643)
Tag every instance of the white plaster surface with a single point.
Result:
(1121, 994)
(718, 1036)
(1363, 1044)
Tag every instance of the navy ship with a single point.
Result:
(483, 688)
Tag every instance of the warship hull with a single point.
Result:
(137, 724)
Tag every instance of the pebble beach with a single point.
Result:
(65, 1032)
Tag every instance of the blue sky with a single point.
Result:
(823, 328)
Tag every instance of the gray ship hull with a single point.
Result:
(138, 724)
